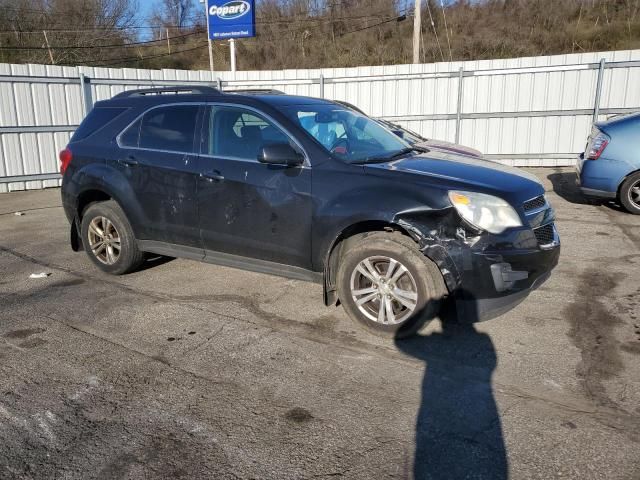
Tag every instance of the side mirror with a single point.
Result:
(280, 154)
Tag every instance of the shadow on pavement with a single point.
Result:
(564, 185)
(152, 261)
(458, 428)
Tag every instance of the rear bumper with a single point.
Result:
(600, 178)
(592, 192)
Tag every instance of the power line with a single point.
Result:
(446, 29)
(139, 59)
(434, 30)
(189, 26)
(122, 45)
(397, 18)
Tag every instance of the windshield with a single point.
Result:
(347, 134)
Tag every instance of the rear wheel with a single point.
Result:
(108, 238)
(630, 193)
(386, 284)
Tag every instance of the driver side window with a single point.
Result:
(235, 132)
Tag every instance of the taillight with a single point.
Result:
(65, 159)
(597, 145)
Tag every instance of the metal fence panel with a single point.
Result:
(526, 111)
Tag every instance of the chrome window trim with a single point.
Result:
(145, 112)
(306, 163)
(247, 160)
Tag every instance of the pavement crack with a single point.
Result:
(151, 358)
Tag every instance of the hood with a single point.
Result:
(450, 147)
(461, 172)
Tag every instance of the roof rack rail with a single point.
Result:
(197, 90)
(256, 91)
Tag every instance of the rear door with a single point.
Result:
(158, 159)
(248, 208)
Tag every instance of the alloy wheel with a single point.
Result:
(634, 194)
(384, 290)
(104, 240)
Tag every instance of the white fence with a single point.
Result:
(527, 111)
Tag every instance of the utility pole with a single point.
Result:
(232, 53)
(206, 4)
(416, 32)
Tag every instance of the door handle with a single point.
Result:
(130, 161)
(214, 176)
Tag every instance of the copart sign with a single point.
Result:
(231, 19)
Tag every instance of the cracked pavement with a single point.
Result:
(189, 370)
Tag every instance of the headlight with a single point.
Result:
(486, 212)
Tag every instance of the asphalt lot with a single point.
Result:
(189, 370)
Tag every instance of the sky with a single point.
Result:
(146, 6)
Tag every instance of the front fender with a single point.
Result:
(439, 239)
(351, 198)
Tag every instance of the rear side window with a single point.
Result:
(97, 118)
(129, 138)
(169, 128)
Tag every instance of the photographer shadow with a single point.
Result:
(458, 427)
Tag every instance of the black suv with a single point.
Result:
(308, 189)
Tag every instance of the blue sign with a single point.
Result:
(231, 19)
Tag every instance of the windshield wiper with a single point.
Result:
(398, 154)
(419, 149)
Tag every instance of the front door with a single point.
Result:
(158, 158)
(248, 208)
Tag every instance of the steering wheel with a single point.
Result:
(340, 146)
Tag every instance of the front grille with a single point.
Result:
(534, 203)
(544, 234)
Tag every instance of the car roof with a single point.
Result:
(151, 97)
(349, 105)
(284, 100)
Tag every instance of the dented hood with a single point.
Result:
(452, 171)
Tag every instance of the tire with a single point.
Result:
(422, 279)
(108, 216)
(630, 193)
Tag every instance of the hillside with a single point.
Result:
(311, 33)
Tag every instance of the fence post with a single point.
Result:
(85, 93)
(219, 83)
(321, 86)
(459, 108)
(596, 104)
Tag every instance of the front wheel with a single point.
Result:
(630, 193)
(386, 284)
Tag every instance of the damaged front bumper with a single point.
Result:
(495, 282)
(487, 274)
